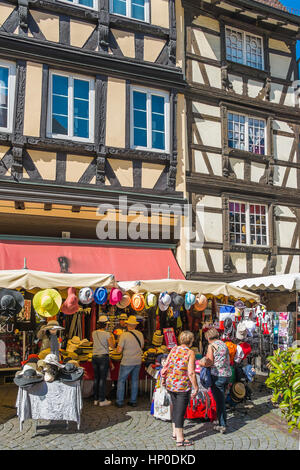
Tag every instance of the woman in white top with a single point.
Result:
(102, 341)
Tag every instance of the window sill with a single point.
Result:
(244, 155)
(246, 70)
(137, 25)
(252, 248)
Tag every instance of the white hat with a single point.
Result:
(103, 319)
(52, 359)
(241, 331)
(164, 301)
(86, 295)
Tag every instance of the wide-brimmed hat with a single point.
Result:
(123, 316)
(85, 343)
(100, 295)
(132, 320)
(70, 305)
(71, 373)
(124, 302)
(52, 360)
(200, 303)
(11, 302)
(32, 358)
(238, 391)
(75, 340)
(138, 302)
(241, 331)
(47, 302)
(52, 325)
(150, 300)
(177, 301)
(239, 304)
(189, 300)
(86, 295)
(28, 376)
(164, 301)
(103, 319)
(115, 296)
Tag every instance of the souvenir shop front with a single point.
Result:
(280, 296)
(34, 302)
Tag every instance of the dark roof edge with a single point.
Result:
(268, 9)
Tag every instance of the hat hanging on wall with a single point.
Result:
(164, 301)
(138, 302)
(100, 295)
(124, 302)
(70, 305)
(200, 303)
(11, 302)
(86, 295)
(47, 302)
(115, 296)
(189, 300)
(150, 300)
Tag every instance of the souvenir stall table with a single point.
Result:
(57, 401)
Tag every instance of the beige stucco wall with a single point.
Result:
(80, 32)
(48, 24)
(33, 99)
(125, 41)
(76, 166)
(239, 260)
(5, 11)
(116, 113)
(152, 48)
(123, 170)
(45, 163)
(279, 65)
(207, 22)
(180, 34)
(150, 174)
(160, 13)
(208, 44)
(209, 131)
(279, 45)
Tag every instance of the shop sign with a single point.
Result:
(6, 328)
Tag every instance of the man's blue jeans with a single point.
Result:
(124, 372)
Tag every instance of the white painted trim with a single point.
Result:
(70, 135)
(129, 9)
(245, 33)
(76, 2)
(149, 93)
(11, 94)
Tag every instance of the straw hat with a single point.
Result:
(150, 300)
(158, 338)
(124, 302)
(189, 300)
(103, 319)
(200, 303)
(44, 353)
(164, 301)
(123, 316)
(137, 302)
(132, 320)
(47, 302)
(238, 391)
(51, 325)
(86, 295)
(70, 305)
(100, 295)
(115, 296)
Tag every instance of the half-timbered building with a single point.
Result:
(92, 107)
(243, 117)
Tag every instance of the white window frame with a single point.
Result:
(247, 117)
(70, 135)
(149, 93)
(245, 33)
(129, 9)
(11, 66)
(248, 234)
(76, 2)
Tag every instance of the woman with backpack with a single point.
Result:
(218, 359)
(178, 376)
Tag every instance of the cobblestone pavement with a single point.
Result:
(257, 425)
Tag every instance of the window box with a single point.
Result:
(71, 107)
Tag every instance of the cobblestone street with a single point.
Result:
(255, 426)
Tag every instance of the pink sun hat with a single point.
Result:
(70, 305)
(115, 296)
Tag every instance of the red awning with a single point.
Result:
(125, 263)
